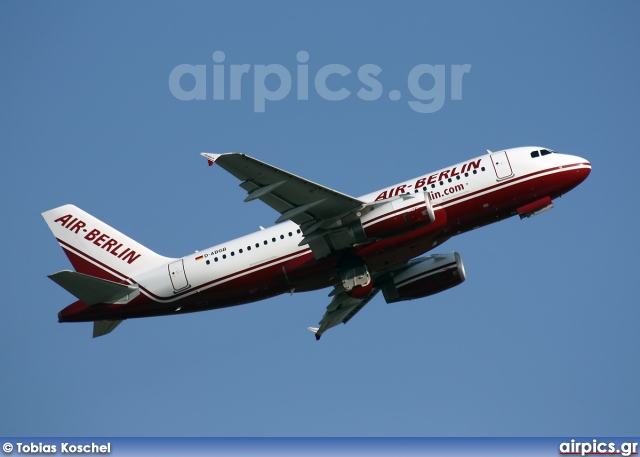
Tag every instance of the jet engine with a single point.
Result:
(427, 276)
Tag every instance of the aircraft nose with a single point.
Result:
(581, 170)
(586, 167)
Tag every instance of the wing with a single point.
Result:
(341, 309)
(323, 214)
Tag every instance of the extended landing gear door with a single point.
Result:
(177, 275)
(501, 165)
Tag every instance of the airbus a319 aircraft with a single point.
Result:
(322, 238)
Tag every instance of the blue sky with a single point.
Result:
(542, 338)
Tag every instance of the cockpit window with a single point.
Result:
(541, 152)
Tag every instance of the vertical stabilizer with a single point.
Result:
(96, 249)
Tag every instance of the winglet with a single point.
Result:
(211, 158)
(315, 331)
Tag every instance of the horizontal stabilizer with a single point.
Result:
(101, 328)
(92, 290)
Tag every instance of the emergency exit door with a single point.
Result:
(177, 275)
(501, 165)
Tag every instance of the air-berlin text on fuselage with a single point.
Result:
(431, 179)
(102, 240)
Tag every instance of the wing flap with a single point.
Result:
(92, 290)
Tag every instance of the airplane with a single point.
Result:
(322, 238)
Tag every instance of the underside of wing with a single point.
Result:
(341, 309)
(319, 211)
(295, 198)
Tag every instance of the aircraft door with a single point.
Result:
(177, 275)
(501, 165)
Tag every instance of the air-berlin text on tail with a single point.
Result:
(431, 179)
(102, 240)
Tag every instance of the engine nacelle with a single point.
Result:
(398, 216)
(431, 275)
